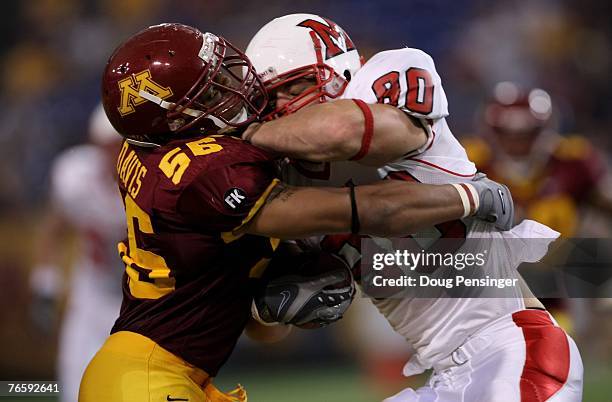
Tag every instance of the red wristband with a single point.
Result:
(368, 131)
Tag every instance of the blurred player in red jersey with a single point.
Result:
(479, 348)
(205, 211)
(552, 177)
(93, 214)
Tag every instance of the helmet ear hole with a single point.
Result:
(347, 75)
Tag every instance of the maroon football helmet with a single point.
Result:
(171, 77)
(516, 117)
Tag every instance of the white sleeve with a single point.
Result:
(406, 78)
(70, 173)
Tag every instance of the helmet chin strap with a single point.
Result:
(239, 118)
(142, 143)
(168, 105)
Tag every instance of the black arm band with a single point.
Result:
(355, 224)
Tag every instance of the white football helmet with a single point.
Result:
(304, 46)
(101, 132)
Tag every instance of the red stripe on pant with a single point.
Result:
(547, 359)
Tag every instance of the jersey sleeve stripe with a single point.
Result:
(433, 165)
(232, 235)
(368, 130)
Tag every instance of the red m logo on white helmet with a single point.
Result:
(335, 39)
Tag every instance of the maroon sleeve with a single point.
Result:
(224, 198)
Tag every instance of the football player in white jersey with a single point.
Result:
(390, 113)
(85, 203)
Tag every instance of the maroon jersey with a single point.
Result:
(186, 284)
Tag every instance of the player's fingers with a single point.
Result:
(251, 129)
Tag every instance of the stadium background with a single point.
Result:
(52, 56)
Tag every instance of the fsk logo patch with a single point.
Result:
(234, 197)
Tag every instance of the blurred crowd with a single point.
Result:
(53, 53)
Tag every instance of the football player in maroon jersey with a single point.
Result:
(205, 213)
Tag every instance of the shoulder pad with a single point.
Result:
(406, 78)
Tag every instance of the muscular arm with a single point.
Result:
(389, 208)
(334, 130)
(49, 253)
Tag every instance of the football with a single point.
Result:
(310, 290)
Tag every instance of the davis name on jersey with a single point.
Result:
(188, 278)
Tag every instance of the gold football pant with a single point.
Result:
(132, 368)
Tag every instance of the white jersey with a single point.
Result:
(84, 192)
(425, 99)
(384, 79)
(407, 79)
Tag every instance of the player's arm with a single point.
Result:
(387, 208)
(372, 134)
(246, 198)
(46, 276)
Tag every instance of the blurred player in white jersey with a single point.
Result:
(390, 113)
(84, 203)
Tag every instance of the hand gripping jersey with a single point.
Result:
(407, 78)
(187, 280)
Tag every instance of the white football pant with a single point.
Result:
(521, 357)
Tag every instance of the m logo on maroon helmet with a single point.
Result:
(335, 39)
(131, 86)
